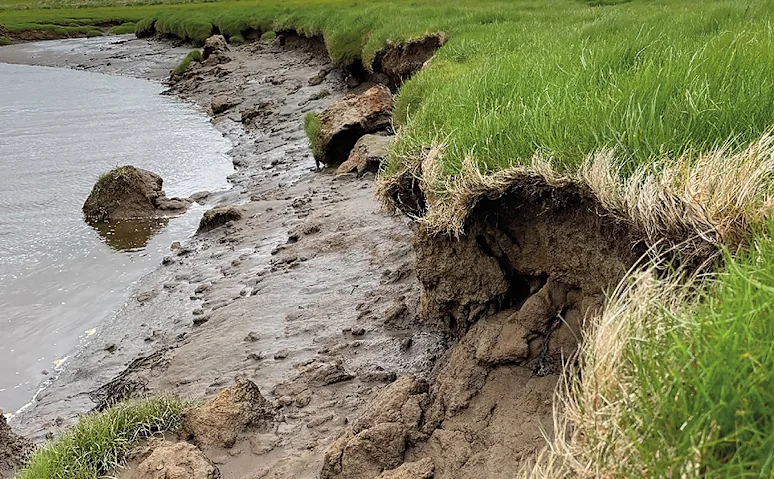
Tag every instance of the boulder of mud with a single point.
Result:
(216, 45)
(127, 192)
(377, 440)
(218, 216)
(367, 155)
(14, 449)
(218, 423)
(221, 103)
(422, 469)
(181, 460)
(399, 61)
(344, 122)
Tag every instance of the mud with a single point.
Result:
(311, 294)
(373, 362)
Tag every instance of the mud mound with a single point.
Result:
(168, 460)
(217, 217)
(345, 121)
(14, 449)
(126, 193)
(400, 61)
(218, 423)
(367, 155)
(214, 46)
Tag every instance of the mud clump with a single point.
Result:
(14, 449)
(218, 217)
(400, 61)
(127, 193)
(181, 460)
(378, 439)
(215, 48)
(367, 155)
(221, 104)
(344, 122)
(220, 422)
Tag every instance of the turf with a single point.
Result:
(98, 443)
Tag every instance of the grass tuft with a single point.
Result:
(193, 56)
(236, 40)
(312, 129)
(98, 444)
(5, 41)
(124, 28)
(268, 36)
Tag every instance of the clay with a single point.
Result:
(181, 460)
(217, 217)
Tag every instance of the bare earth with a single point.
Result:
(312, 295)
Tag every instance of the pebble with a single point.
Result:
(358, 331)
(281, 354)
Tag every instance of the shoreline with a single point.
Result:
(349, 263)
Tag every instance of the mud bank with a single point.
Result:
(383, 351)
(314, 277)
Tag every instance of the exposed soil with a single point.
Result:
(13, 449)
(313, 293)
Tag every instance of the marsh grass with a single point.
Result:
(5, 41)
(236, 40)
(185, 64)
(268, 36)
(678, 378)
(99, 442)
(123, 29)
(312, 129)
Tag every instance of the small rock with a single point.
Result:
(199, 320)
(197, 312)
(358, 331)
(217, 217)
(166, 261)
(110, 347)
(252, 337)
(281, 354)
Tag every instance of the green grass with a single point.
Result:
(193, 56)
(312, 129)
(268, 36)
(123, 29)
(704, 395)
(236, 40)
(557, 77)
(99, 443)
(5, 41)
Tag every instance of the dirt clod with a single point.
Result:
(217, 217)
(181, 460)
(367, 155)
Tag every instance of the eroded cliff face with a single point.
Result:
(14, 449)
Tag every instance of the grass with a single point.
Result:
(268, 36)
(678, 380)
(237, 40)
(124, 28)
(5, 41)
(99, 442)
(193, 56)
(312, 129)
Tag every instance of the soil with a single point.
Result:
(13, 449)
(369, 361)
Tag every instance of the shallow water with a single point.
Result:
(59, 130)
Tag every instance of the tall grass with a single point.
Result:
(99, 443)
(312, 130)
(677, 379)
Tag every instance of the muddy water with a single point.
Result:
(59, 278)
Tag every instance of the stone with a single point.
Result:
(368, 154)
(346, 120)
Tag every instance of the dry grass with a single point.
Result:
(696, 203)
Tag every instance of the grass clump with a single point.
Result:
(268, 36)
(5, 41)
(236, 40)
(99, 442)
(678, 380)
(94, 33)
(124, 28)
(312, 129)
(193, 56)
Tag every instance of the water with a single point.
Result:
(59, 130)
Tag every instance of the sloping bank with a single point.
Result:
(539, 173)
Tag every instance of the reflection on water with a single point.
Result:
(59, 276)
(129, 235)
